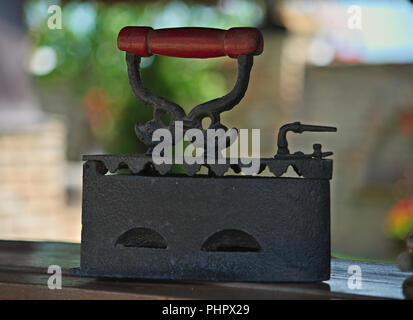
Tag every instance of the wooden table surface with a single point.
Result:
(23, 275)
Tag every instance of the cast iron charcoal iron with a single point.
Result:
(150, 223)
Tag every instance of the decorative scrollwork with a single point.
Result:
(211, 109)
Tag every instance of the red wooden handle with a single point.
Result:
(190, 42)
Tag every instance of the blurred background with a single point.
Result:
(64, 92)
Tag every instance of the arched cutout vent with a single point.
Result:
(141, 238)
(231, 240)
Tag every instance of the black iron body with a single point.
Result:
(229, 228)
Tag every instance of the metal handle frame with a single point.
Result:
(211, 109)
